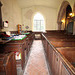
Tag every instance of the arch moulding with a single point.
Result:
(62, 11)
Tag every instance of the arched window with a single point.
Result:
(38, 23)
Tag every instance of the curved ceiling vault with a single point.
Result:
(48, 3)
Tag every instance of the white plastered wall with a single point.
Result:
(49, 14)
(11, 12)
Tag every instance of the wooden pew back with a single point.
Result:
(68, 52)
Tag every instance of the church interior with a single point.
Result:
(37, 37)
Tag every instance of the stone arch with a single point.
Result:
(62, 12)
(74, 9)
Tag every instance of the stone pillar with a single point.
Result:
(59, 25)
(74, 26)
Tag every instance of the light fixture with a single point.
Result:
(71, 14)
(63, 20)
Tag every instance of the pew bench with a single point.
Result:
(58, 63)
(8, 64)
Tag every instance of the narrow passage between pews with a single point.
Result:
(36, 64)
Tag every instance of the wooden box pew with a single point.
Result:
(57, 41)
(8, 64)
(17, 46)
(29, 41)
(27, 47)
(62, 65)
(48, 51)
(60, 62)
(56, 59)
(60, 43)
(61, 37)
(63, 43)
(58, 65)
(54, 35)
(31, 38)
(56, 32)
(44, 41)
(22, 46)
(49, 56)
(69, 54)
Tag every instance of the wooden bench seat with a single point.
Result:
(68, 52)
(63, 43)
(61, 39)
(60, 52)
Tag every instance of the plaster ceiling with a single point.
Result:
(48, 3)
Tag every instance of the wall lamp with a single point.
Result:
(63, 20)
(71, 14)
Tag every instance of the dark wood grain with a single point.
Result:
(60, 52)
(8, 64)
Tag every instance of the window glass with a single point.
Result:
(38, 23)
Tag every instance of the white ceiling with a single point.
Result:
(49, 3)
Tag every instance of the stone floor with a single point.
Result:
(19, 70)
(36, 64)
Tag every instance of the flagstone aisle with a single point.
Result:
(36, 64)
